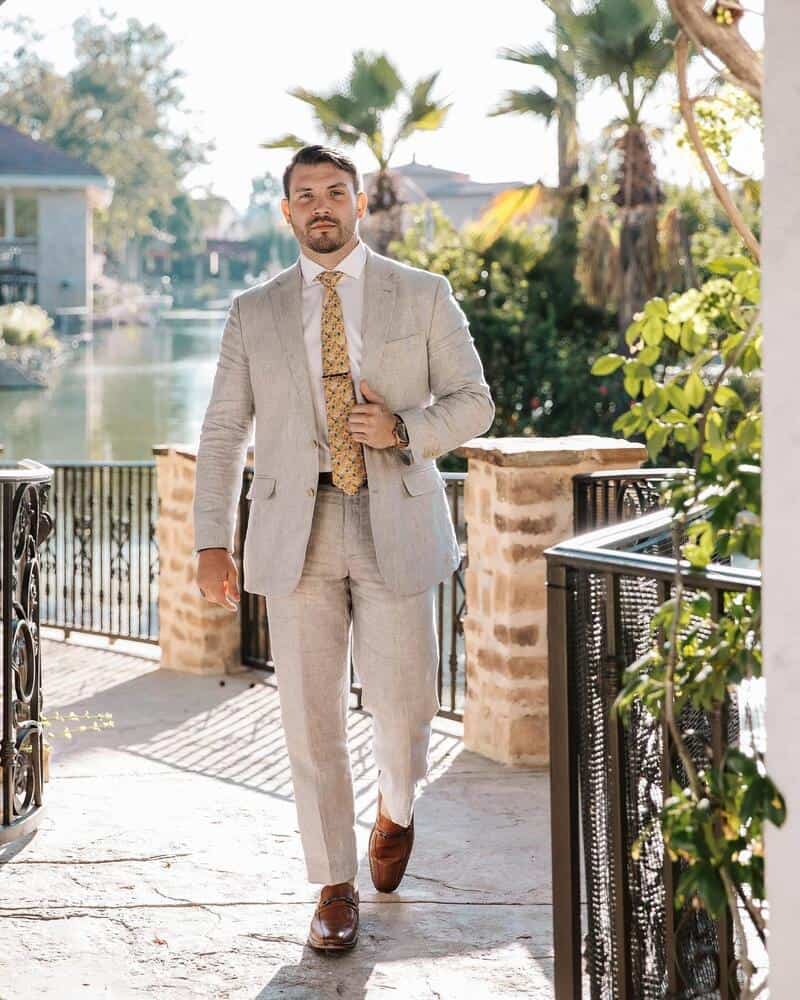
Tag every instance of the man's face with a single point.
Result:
(322, 207)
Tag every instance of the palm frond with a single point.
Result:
(424, 114)
(374, 82)
(287, 141)
(539, 56)
(527, 102)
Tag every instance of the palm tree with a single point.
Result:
(561, 106)
(355, 113)
(559, 102)
(626, 43)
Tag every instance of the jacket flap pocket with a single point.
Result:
(424, 480)
(261, 487)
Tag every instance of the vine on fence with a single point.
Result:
(692, 376)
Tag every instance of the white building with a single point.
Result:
(46, 203)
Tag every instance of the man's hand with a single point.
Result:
(372, 423)
(218, 578)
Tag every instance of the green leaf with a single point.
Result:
(656, 436)
(632, 385)
(728, 265)
(649, 355)
(695, 390)
(656, 308)
(653, 330)
(607, 364)
(677, 397)
(728, 398)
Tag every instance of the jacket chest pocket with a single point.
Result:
(405, 352)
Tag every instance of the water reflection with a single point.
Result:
(116, 397)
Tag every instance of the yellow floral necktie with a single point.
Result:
(347, 455)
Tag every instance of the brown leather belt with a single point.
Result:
(326, 478)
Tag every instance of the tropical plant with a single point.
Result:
(356, 112)
(690, 357)
(626, 45)
(558, 64)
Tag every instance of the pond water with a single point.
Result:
(117, 396)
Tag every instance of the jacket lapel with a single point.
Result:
(287, 307)
(380, 293)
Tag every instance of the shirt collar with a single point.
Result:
(352, 265)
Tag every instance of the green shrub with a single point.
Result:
(24, 324)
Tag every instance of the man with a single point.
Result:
(359, 372)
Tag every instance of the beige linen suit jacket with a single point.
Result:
(417, 352)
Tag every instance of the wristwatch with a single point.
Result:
(400, 433)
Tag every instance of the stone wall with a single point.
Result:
(518, 502)
(195, 636)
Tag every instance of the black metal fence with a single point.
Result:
(25, 525)
(608, 781)
(100, 565)
(603, 498)
(451, 610)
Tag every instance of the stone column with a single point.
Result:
(518, 502)
(195, 636)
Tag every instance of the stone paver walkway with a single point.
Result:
(169, 864)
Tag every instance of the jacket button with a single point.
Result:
(315, 443)
(311, 491)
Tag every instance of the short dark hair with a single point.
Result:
(321, 154)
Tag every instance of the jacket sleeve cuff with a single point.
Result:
(421, 443)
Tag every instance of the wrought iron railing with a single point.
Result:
(451, 610)
(608, 780)
(608, 497)
(25, 525)
(100, 565)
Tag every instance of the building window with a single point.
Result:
(213, 262)
(26, 216)
(3, 231)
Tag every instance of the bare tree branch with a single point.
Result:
(725, 41)
(720, 190)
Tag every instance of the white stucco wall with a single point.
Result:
(781, 555)
(64, 251)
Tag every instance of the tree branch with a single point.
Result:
(725, 41)
(720, 190)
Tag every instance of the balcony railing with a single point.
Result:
(24, 526)
(100, 565)
(608, 780)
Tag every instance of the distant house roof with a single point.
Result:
(23, 156)
(423, 180)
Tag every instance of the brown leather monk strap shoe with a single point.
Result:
(334, 926)
(389, 850)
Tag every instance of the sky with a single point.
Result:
(241, 58)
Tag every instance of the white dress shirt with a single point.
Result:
(351, 293)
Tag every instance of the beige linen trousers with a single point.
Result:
(342, 603)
